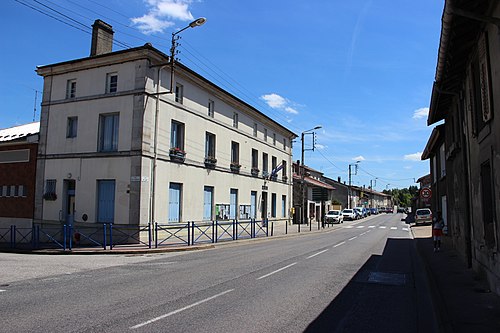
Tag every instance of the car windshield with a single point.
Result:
(423, 212)
(334, 212)
(347, 210)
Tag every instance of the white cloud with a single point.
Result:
(274, 100)
(278, 102)
(413, 157)
(421, 113)
(359, 158)
(161, 14)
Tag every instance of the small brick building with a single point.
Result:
(18, 159)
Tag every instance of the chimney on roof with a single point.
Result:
(338, 179)
(102, 38)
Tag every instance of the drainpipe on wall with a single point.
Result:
(155, 140)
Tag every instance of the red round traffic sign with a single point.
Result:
(426, 193)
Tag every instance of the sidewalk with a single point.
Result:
(461, 301)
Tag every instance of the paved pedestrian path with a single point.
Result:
(462, 301)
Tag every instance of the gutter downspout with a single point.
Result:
(155, 152)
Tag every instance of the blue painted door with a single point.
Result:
(106, 201)
(174, 203)
(233, 202)
(253, 204)
(208, 194)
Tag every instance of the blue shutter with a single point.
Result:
(106, 201)
(207, 202)
(253, 204)
(233, 203)
(174, 203)
(283, 206)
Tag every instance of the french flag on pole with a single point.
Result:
(276, 170)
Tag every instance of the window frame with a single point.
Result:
(177, 134)
(210, 145)
(71, 88)
(235, 152)
(235, 120)
(111, 83)
(211, 108)
(72, 127)
(114, 135)
(179, 93)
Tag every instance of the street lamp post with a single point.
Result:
(302, 170)
(349, 190)
(195, 23)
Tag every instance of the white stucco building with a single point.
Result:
(119, 144)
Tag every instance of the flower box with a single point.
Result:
(254, 171)
(177, 154)
(210, 162)
(50, 196)
(235, 167)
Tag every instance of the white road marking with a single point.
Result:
(353, 238)
(382, 227)
(2, 290)
(316, 254)
(276, 271)
(360, 226)
(180, 310)
(341, 243)
(372, 226)
(349, 227)
(405, 229)
(364, 233)
(394, 228)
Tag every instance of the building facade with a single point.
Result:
(466, 95)
(127, 138)
(18, 159)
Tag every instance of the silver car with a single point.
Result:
(334, 216)
(349, 214)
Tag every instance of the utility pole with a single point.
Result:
(303, 172)
(349, 190)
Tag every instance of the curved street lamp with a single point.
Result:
(196, 23)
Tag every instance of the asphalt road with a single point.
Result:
(356, 277)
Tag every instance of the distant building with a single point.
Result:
(120, 144)
(18, 157)
(312, 196)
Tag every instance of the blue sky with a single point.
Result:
(362, 69)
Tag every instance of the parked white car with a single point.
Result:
(334, 216)
(349, 214)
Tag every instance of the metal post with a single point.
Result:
(149, 234)
(192, 233)
(213, 231)
(70, 235)
(12, 236)
(110, 235)
(216, 231)
(64, 237)
(156, 235)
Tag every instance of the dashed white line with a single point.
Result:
(353, 238)
(316, 254)
(372, 226)
(276, 271)
(341, 243)
(394, 228)
(360, 226)
(349, 227)
(382, 227)
(180, 310)
(364, 233)
(405, 229)
(2, 290)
